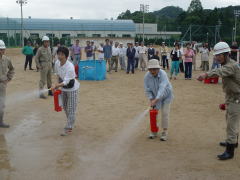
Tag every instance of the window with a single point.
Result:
(65, 35)
(34, 35)
(81, 35)
(126, 35)
(50, 35)
(111, 35)
(96, 35)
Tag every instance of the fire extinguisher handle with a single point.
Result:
(153, 107)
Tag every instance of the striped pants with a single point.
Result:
(70, 100)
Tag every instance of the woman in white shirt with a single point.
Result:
(205, 58)
(66, 81)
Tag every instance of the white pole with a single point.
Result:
(143, 22)
(235, 29)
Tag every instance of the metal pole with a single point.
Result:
(22, 39)
(235, 29)
(216, 34)
(8, 31)
(190, 33)
(143, 22)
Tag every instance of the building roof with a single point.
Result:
(67, 24)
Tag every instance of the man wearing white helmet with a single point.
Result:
(160, 94)
(6, 75)
(230, 73)
(44, 63)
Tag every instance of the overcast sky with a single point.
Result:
(94, 9)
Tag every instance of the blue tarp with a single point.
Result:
(94, 70)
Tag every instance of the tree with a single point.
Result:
(195, 6)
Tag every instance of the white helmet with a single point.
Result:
(221, 48)
(153, 64)
(45, 38)
(2, 45)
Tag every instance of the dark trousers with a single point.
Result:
(136, 62)
(130, 65)
(28, 60)
(181, 66)
(188, 69)
(165, 62)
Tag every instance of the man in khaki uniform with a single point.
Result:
(44, 63)
(230, 73)
(6, 75)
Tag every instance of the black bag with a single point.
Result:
(69, 85)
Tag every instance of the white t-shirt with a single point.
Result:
(137, 53)
(100, 54)
(67, 72)
(122, 52)
(115, 51)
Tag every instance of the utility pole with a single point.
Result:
(144, 8)
(215, 34)
(217, 31)
(21, 3)
(190, 33)
(236, 14)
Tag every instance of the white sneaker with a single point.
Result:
(163, 136)
(152, 135)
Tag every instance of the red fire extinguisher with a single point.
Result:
(153, 120)
(222, 107)
(76, 70)
(57, 100)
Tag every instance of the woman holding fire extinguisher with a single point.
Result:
(159, 92)
(69, 85)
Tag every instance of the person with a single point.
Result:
(215, 63)
(151, 51)
(195, 50)
(76, 53)
(94, 49)
(114, 58)
(188, 54)
(175, 56)
(156, 56)
(89, 51)
(54, 55)
(230, 74)
(100, 52)
(130, 55)
(205, 58)
(142, 56)
(71, 53)
(136, 58)
(107, 49)
(159, 91)
(69, 86)
(44, 63)
(164, 53)
(28, 52)
(181, 65)
(36, 46)
(234, 51)
(122, 54)
(6, 75)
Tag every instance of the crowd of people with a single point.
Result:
(180, 59)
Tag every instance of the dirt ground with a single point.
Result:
(110, 139)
